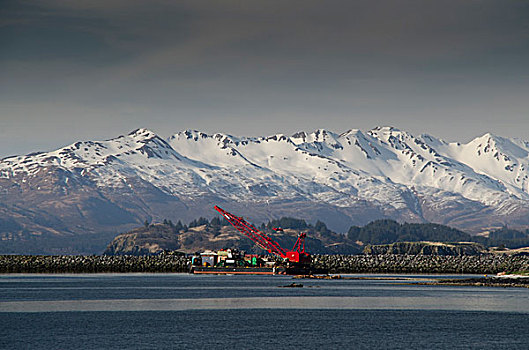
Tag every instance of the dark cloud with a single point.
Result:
(97, 68)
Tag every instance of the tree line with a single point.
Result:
(390, 231)
(383, 231)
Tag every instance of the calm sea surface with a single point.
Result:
(145, 311)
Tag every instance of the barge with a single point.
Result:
(276, 270)
(287, 262)
(233, 262)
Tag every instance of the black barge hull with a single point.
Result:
(281, 270)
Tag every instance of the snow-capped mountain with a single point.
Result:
(342, 179)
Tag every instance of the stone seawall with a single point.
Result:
(390, 263)
(91, 264)
(425, 248)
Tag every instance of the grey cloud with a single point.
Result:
(258, 67)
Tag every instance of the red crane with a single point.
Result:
(296, 255)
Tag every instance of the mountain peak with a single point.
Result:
(385, 129)
(322, 135)
(351, 132)
(487, 139)
(142, 132)
(299, 135)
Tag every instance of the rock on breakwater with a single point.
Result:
(91, 264)
(426, 248)
(393, 263)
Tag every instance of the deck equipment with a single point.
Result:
(297, 255)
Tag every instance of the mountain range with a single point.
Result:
(77, 198)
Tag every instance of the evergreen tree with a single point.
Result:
(215, 221)
(506, 233)
(214, 226)
(320, 226)
(353, 233)
(201, 221)
(390, 231)
(179, 227)
(287, 222)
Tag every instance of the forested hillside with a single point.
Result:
(389, 231)
(217, 233)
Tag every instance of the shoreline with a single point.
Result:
(494, 281)
(504, 281)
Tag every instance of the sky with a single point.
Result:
(80, 70)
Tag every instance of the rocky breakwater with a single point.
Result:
(92, 264)
(426, 248)
(404, 263)
(379, 263)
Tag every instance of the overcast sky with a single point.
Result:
(74, 70)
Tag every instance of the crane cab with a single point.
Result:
(299, 257)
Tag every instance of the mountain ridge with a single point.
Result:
(348, 178)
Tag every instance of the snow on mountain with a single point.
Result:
(501, 159)
(385, 172)
(280, 167)
(381, 164)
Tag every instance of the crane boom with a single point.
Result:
(261, 239)
(299, 246)
(297, 254)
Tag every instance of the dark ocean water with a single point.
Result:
(145, 311)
